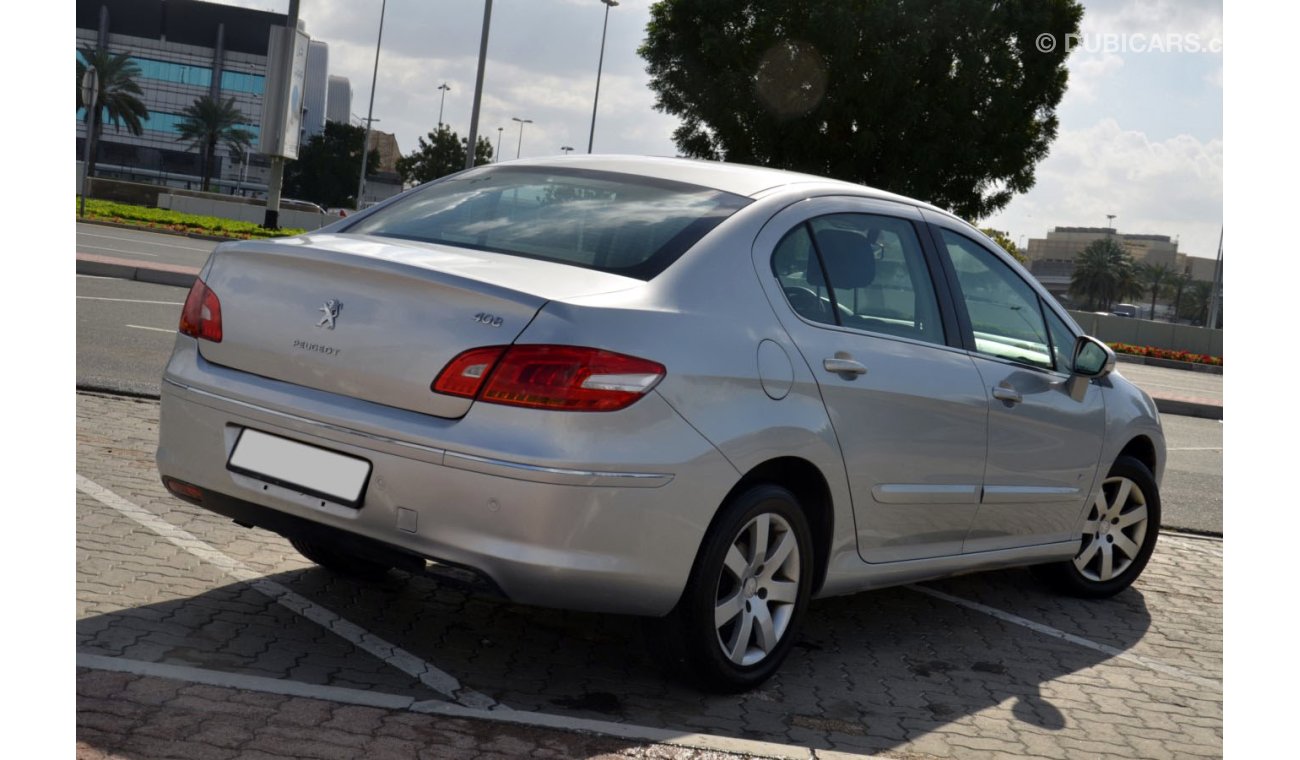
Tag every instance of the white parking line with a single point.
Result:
(141, 241)
(368, 698)
(98, 248)
(155, 329)
(439, 681)
(129, 300)
(1047, 630)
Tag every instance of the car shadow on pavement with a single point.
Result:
(871, 672)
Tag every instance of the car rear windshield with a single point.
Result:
(611, 222)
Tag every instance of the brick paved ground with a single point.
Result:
(897, 672)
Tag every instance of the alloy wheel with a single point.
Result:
(757, 589)
(1115, 530)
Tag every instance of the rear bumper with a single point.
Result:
(610, 521)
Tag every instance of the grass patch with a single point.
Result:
(174, 221)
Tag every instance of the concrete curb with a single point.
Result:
(1185, 408)
(130, 269)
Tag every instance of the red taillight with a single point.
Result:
(569, 378)
(201, 314)
(466, 373)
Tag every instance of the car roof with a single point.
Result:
(738, 179)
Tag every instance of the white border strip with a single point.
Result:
(1047, 630)
(747, 747)
(438, 680)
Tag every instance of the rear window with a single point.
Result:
(611, 222)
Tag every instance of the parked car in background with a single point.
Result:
(689, 390)
(1126, 310)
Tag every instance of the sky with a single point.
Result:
(1141, 125)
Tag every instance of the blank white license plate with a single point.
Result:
(309, 469)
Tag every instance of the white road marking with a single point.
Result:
(97, 277)
(141, 241)
(129, 300)
(381, 700)
(1047, 630)
(439, 681)
(98, 248)
(155, 329)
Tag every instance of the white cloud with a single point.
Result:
(1088, 72)
(1168, 187)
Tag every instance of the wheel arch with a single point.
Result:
(809, 486)
(1143, 449)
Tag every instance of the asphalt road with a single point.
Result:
(125, 332)
(149, 247)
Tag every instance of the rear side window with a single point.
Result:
(862, 271)
(619, 223)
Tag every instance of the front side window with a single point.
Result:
(1003, 309)
(619, 223)
(1062, 341)
(862, 271)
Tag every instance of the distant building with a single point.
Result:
(338, 100)
(384, 183)
(185, 49)
(1051, 258)
(314, 89)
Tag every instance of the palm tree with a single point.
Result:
(1198, 304)
(1104, 273)
(209, 121)
(119, 95)
(1179, 284)
(1156, 279)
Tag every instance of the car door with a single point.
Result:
(850, 280)
(1044, 446)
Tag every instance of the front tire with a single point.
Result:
(1118, 535)
(748, 591)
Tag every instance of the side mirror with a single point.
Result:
(1092, 358)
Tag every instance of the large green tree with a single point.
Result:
(1104, 274)
(208, 121)
(119, 94)
(1008, 245)
(441, 154)
(950, 101)
(328, 169)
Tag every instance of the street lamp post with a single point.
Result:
(522, 122)
(374, 78)
(566, 148)
(498, 151)
(443, 102)
(591, 138)
(472, 142)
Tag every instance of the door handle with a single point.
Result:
(1009, 395)
(842, 366)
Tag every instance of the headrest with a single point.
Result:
(848, 258)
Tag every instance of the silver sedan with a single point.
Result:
(688, 390)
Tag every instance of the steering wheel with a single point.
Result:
(806, 303)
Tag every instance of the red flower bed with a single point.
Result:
(1166, 353)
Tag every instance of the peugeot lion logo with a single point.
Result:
(331, 312)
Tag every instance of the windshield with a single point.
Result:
(620, 223)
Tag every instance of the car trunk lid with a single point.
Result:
(376, 318)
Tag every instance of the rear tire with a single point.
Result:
(746, 598)
(340, 561)
(1119, 535)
